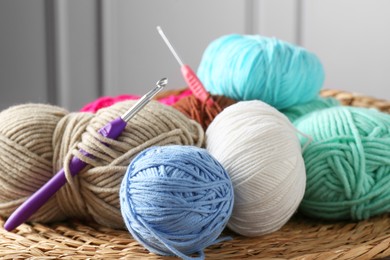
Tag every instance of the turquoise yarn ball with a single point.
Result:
(297, 111)
(347, 163)
(176, 200)
(253, 67)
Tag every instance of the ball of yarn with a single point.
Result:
(38, 140)
(259, 148)
(347, 163)
(201, 112)
(169, 98)
(252, 67)
(176, 200)
(295, 112)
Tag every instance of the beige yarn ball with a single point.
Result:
(38, 140)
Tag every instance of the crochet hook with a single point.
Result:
(189, 75)
(111, 130)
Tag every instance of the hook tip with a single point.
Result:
(162, 82)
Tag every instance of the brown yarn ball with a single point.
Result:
(38, 140)
(200, 111)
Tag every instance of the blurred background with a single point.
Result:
(69, 52)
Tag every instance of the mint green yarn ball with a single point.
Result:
(347, 163)
(254, 67)
(297, 111)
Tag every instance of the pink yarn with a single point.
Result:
(107, 101)
(102, 102)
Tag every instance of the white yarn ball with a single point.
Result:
(260, 150)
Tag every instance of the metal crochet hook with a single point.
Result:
(189, 75)
(111, 130)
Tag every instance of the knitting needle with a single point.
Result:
(111, 130)
(189, 75)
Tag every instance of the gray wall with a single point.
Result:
(352, 38)
(70, 52)
(22, 52)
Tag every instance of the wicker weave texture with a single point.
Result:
(300, 238)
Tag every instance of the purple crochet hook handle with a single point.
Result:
(111, 130)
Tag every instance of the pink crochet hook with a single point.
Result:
(111, 130)
(189, 75)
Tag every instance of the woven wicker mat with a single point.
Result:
(300, 238)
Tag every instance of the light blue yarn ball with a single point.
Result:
(176, 200)
(252, 67)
